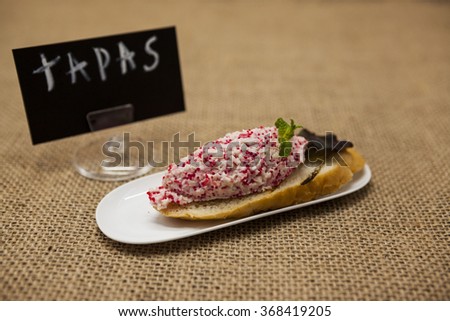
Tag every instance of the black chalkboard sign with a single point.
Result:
(67, 87)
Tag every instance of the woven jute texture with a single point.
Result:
(377, 73)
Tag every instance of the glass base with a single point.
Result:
(112, 162)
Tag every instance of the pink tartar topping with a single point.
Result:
(238, 164)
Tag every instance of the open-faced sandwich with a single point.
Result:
(255, 170)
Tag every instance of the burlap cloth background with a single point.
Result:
(378, 73)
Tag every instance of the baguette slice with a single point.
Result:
(306, 183)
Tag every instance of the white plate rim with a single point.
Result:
(360, 180)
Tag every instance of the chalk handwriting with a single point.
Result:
(76, 66)
(125, 56)
(46, 69)
(103, 60)
(151, 52)
(126, 61)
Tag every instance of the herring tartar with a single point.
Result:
(238, 164)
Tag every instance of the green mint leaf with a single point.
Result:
(283, 128)
(285, 133)
(285, 149)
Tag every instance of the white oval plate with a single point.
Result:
(125, 214)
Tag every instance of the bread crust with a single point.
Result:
(328, 180)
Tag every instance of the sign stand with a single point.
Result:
(67, 88)
(94, 160)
